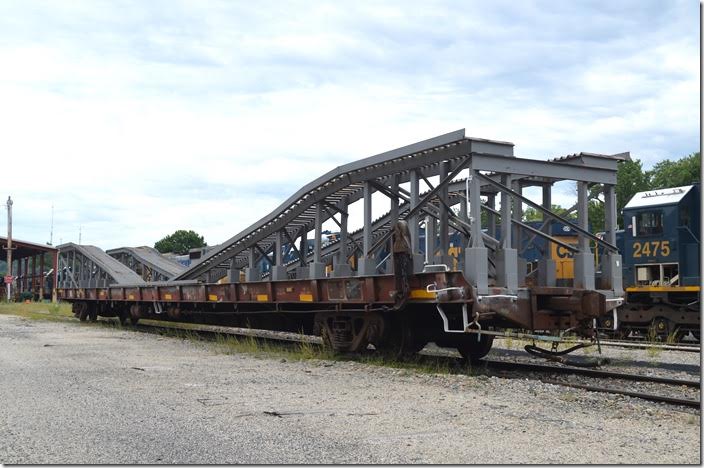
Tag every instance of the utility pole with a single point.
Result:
(9, 246)
(51, 233)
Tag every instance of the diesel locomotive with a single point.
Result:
(660, 247)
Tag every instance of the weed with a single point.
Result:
(653, 351)
(568, 396)
(508, 341)
(671, 338)
(307, 350)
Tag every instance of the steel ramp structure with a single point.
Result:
(498, 173)
(87, 266)
(410, 299)
(147, 262)
(329, 195)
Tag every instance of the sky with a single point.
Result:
(135, 119)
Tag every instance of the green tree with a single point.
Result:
(630, 179)
(595, 211)
(668, 173)
(180, 242)
(532, 214)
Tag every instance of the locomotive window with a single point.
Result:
(650, 223)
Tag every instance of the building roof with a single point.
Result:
(22, 249)
(667, 196)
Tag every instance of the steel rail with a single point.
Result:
(596, 373)
(493, 363)
(686, 348)
(641, 395)
(667, 347)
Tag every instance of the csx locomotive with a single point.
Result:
(660, 246)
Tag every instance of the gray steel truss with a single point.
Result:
(87, 266)
(489, 168)
(147, 262)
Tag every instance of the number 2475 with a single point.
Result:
(650, 249)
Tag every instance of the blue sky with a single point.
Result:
(135, 119)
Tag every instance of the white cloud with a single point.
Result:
(135, 119)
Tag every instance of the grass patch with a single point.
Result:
(38, 310)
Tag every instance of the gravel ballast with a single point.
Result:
(74, 393)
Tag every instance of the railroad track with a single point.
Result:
(210, 332)
(691, 348)
(610, 376)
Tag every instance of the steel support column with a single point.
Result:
(393, 219)
(278, 269)
(33, 286)
(317, 268)
(611, 270)
(546, 265)
(476, 260)
(464, 216)
(584, 259)
(41, 277)
(443, 225)
(413, 223)
(491, 217)
(55, 278)
(366, 266)
(233, 272)
(252, 273)
(517, 239)
(341, 267)
(430, 238)
(507, 255)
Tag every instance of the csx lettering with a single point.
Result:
(563, 252)
(651, 249)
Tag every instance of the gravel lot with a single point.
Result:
(75, 393)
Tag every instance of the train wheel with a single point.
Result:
(93, 314)
(399, 340)
(82, 311)
(348, 333)
(135, 313)
(472, 349)
(122, 316)
(659, 329)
